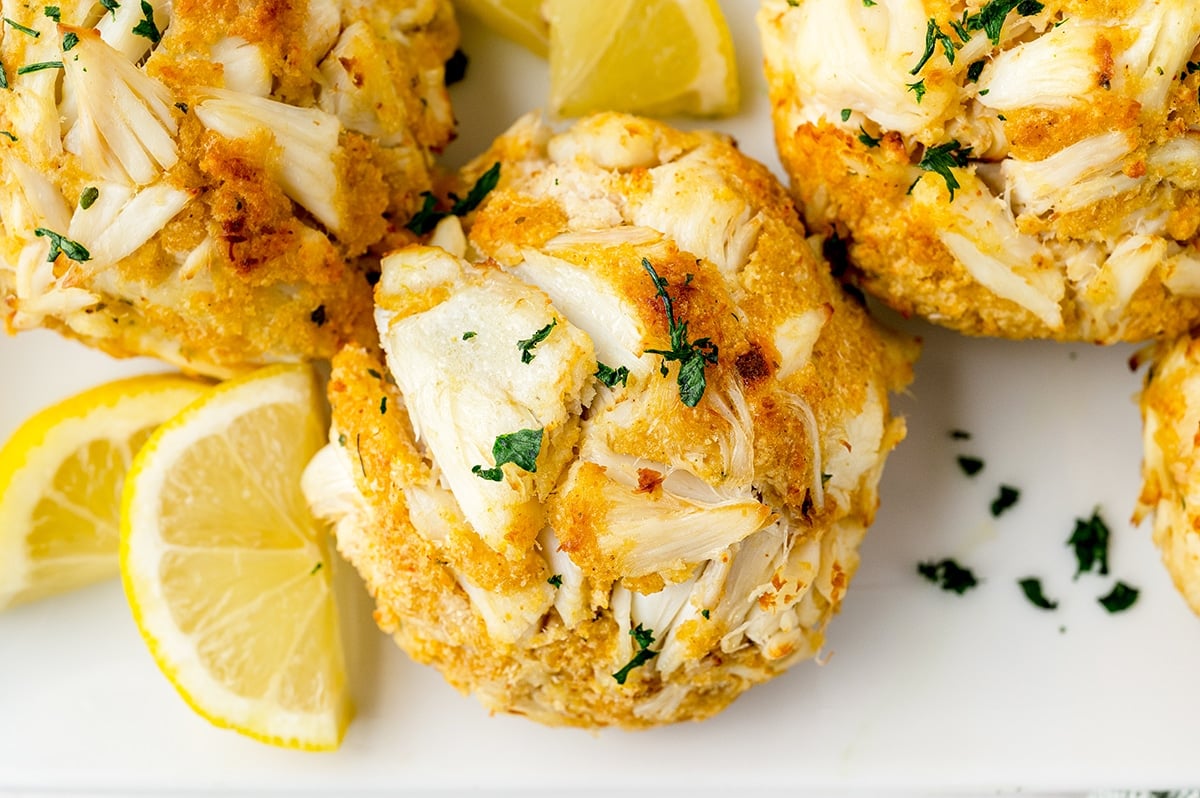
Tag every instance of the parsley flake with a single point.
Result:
(469, 334)
(933, 36)
(69, 41)
(12, 23)
(866, 138)
(315, 568)
(526, 345)
(39, 66)
(1120, 598)
(1090, 541)
(317, 317)
(846, 114)
(949, 575)
(61, 244)
(53, 12)
(9, 135)
(427, 218)
(1006, 499)
(383, 406)
(643, 638)
(704, 614)
(1032, 587)
(555, 581)
(970, 465)
(111, 5)
(942, 158)
(918, 89)
(88, 197)
(610, 376)
(521, 448)
(960, 435)
(146, 27)
(990, 18)
(693, 356)
(975, 70)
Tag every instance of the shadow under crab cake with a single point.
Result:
(626, 441)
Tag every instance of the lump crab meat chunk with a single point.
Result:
(457, 340)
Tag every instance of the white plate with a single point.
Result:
(923, 690)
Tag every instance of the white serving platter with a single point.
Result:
(922, 691)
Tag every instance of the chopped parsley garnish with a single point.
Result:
(526, 345)
(61, 244)
(3, 77)
(555, 581)
(9, 134)
(53, 12)
(866, 138)
(183, 107)
(69, 41)
(918, 89)
(942, 158)
(1090, 541)
(111, 5)
(643, 638)
(846, 114)
(868, 3)
(990, 18)
(383, 406)
(469, 334)
(375, 373)
(341, 439)
(934, 35)
(949, 575)
(521, 448)
(693, 356)
(704, 614)
(975, 70)
(1120, 598)
(146, 26)
(12, 23)
(88, 197)
(610, 376)
(483, 186)
(1032, 587)
(1007, 498)
(317, 317)
(428, 216)
(970, 465)
(315, 568)
(39, 66)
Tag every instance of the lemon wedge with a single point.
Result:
(227, 573)
(652, 57)
(61, 475)
(519, 20)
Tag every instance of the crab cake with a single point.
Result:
(625, 444)
(1025, 170)
(207, 182)
(1171, 465)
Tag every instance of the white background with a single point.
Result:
(923, 690)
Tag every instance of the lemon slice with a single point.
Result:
(653, 57)
(226, 571)
(60, 483)
(519, 20)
